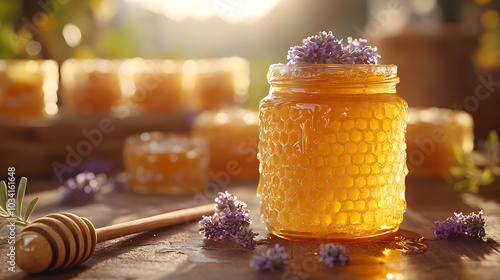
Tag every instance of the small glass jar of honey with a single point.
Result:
(166, 163)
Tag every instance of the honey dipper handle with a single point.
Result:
(154, 222)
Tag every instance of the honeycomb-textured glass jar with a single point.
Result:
(332, 151)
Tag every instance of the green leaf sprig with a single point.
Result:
(7, 198)
(477, 168)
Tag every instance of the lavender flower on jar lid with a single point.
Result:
(325, 48)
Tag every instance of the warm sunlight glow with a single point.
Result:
(232, 11)
(423, 7)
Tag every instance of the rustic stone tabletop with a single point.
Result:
(180, 252)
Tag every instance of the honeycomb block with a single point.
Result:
(28, 88)
(232, 136)
(432, 133)
(154, 85)
(212, 84)
(91, 86)
(166, 163)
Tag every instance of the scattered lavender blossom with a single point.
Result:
(81, 188)
(333, 255)
(273, 259)
(470, 225)
(474, 225)
(326, 49)
(230, 219)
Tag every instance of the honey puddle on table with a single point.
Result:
(407, 241)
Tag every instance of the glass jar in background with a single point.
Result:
(91, 86)
(332, 151)
(165, 163)
(28, 88)
(156, 85)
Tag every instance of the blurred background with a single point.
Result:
(447, 51)
(463, 33)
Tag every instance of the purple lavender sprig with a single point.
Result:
(474, 225)
(358, 52)
(81, 188)
(326, 49)
(333, 255)
(275, 258)
(230, 219)
(320, 49)
(471, 225)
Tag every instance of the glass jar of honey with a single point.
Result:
(332, 151)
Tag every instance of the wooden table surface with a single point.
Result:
(180, 252)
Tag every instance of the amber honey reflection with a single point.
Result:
(385, 257)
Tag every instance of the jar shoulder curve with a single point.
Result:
(279, 97)
(335, 107)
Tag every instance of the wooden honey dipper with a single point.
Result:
(63, 240)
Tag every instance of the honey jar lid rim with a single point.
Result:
(386, 73)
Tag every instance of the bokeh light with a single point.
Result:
(33, 48)
(72, 34)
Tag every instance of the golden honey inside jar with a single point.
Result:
(332, 151)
